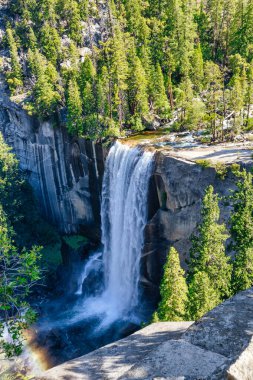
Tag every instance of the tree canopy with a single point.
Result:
(190, 61)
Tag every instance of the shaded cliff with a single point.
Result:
(65, 172)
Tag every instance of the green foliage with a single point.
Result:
(203, 297)
(46, 98)
(19, 271)
(242, 233)
(159, 98)
(50, 41)
(221, 170)
(14, 77)
(190, 58)
(74, 108)
(208, 247)
(75, 241)
(173, 290)
(235, 169)
(204, 163)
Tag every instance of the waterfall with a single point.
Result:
(124, 216)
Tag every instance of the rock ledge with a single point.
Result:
(219, 346)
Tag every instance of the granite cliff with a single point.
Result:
(66, 175)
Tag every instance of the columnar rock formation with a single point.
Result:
(64, 172)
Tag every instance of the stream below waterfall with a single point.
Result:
(106, 303)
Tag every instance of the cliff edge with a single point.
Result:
(218, 346)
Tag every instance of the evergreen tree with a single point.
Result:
(213, 85)
(137, 89)
(47, 11)
(14, 77)
(203, 296)
(249, 91)
(118, 72)
(242, 233)
(87, 73)
(51, 43)
(152, 50)
(32, 39)
(184, 99)
(173, 290)
(74, 108)
(197, 69)
(46, 98)
(208, 247)
(137, 23)
(84, 8)
(159, 98)
(242, 32)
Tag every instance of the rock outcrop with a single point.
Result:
(176, 192)
(65, 172)
(218, 347)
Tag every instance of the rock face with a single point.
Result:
(176, 191)
(218, 347)
(65, 173)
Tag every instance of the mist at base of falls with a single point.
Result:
(105, 305)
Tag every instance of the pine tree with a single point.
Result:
(47, 11)
(249, 91)
(32, 39)
(159, 98)
(46, 98)
(87, 73)
(173, 290)
(137, 89)
(118, 71)
(203, 296)
(208, 247)
(137, 23)
(51, 43)
(104, 99)
(74, 108)
(242, 32)
(197, 69)
(242, 233)
(84, 8)
(184, 98)
(214, 97)
(14, 77)
(70, 12)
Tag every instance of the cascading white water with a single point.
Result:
(124, 216)
(92, 264)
